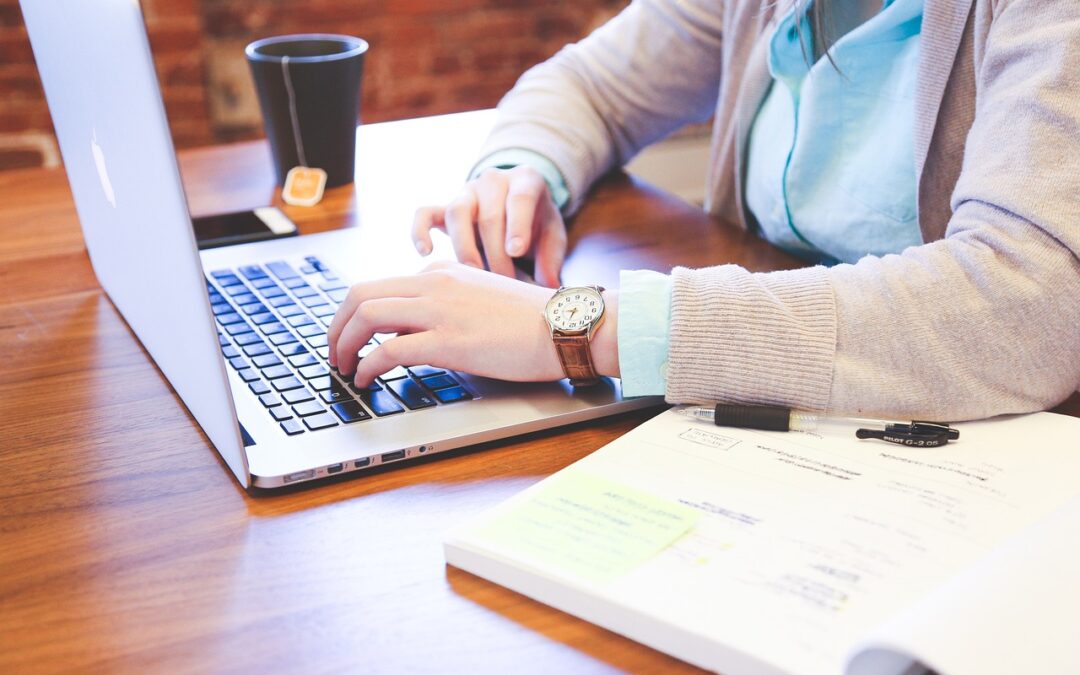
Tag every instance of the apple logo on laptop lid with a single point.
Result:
(102, 171)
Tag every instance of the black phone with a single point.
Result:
(241, 227)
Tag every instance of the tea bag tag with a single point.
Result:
(304, 186)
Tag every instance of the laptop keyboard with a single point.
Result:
(272, 322)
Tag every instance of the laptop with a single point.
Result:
(240, 331)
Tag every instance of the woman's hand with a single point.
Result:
(506, 214)
(456, 317)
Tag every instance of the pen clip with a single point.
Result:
(917, 434)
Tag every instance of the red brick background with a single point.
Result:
(427, 57)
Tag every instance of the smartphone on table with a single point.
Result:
(241, 227)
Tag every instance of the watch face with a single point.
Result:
(574, 308)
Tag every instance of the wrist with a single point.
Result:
(605, 344)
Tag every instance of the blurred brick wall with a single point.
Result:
(427, 57)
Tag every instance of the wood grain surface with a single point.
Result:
(125, 543)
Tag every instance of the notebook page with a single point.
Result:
(802, 543)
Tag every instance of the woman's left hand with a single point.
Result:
(450, 316)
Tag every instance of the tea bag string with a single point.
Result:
(292, 111)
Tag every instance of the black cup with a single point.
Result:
(309, 92)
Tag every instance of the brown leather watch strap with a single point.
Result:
(576, 359)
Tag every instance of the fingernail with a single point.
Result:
(515, 246)
(422, 248)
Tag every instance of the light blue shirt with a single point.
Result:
(830, 174)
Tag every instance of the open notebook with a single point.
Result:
(761, 552)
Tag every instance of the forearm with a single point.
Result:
(982, 323)
(593, 105)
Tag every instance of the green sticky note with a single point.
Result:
(586, 526)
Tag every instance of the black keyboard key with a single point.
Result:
(338, 295)
(293, 349)
(425, 371)
(335, 393)
(308, 408)
(308, 269)
(381, 403)
(411, 393)
(290, 309)
(221, 273)
(300, 320)
(216, 298)
(274, 372)
(253, 272)
(269, 400)
(248, 374)
(452, 394)
(292, 427)
(294, 396)
(350, 411)
(229, 318)
(287, 383)
(240, 295)
(317, 370)
(323, 352)
(266, 360)
(396, 373)
(258, 387)
(228, 280)
(220, 308)
(256, 349)
(281, 413)
(237, 328)
(263, 282)
(260, 319)
(238, 362)
(282, 339)
(301, 360)
(272, 328)
(271, 292)
(295, 282)
(311, 331)
(228, 351)
(317, 340)
(323, 421)
(374, 386)
(304, 291)
(320, 383)
(280, 301)
(438, 381)
(324, 310)
(248, 339)
(328, 286)
(313, 301)
(253, 308)
(222, 340)
(281, 269)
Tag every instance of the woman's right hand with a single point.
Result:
(500, 215)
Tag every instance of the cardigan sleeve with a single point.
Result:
(983, 322)
(650, 70)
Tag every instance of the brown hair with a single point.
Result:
(818, 13)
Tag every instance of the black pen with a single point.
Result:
(777, 418)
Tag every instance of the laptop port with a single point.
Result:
(335, 468)
(299, 475)
(361, 463)
(393, 456)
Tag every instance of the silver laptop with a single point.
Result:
(240, 331)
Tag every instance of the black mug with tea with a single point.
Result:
(309, 91)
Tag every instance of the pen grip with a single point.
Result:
(764, 417)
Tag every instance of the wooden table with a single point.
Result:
(125, 543)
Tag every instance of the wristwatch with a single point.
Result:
(573, 314)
